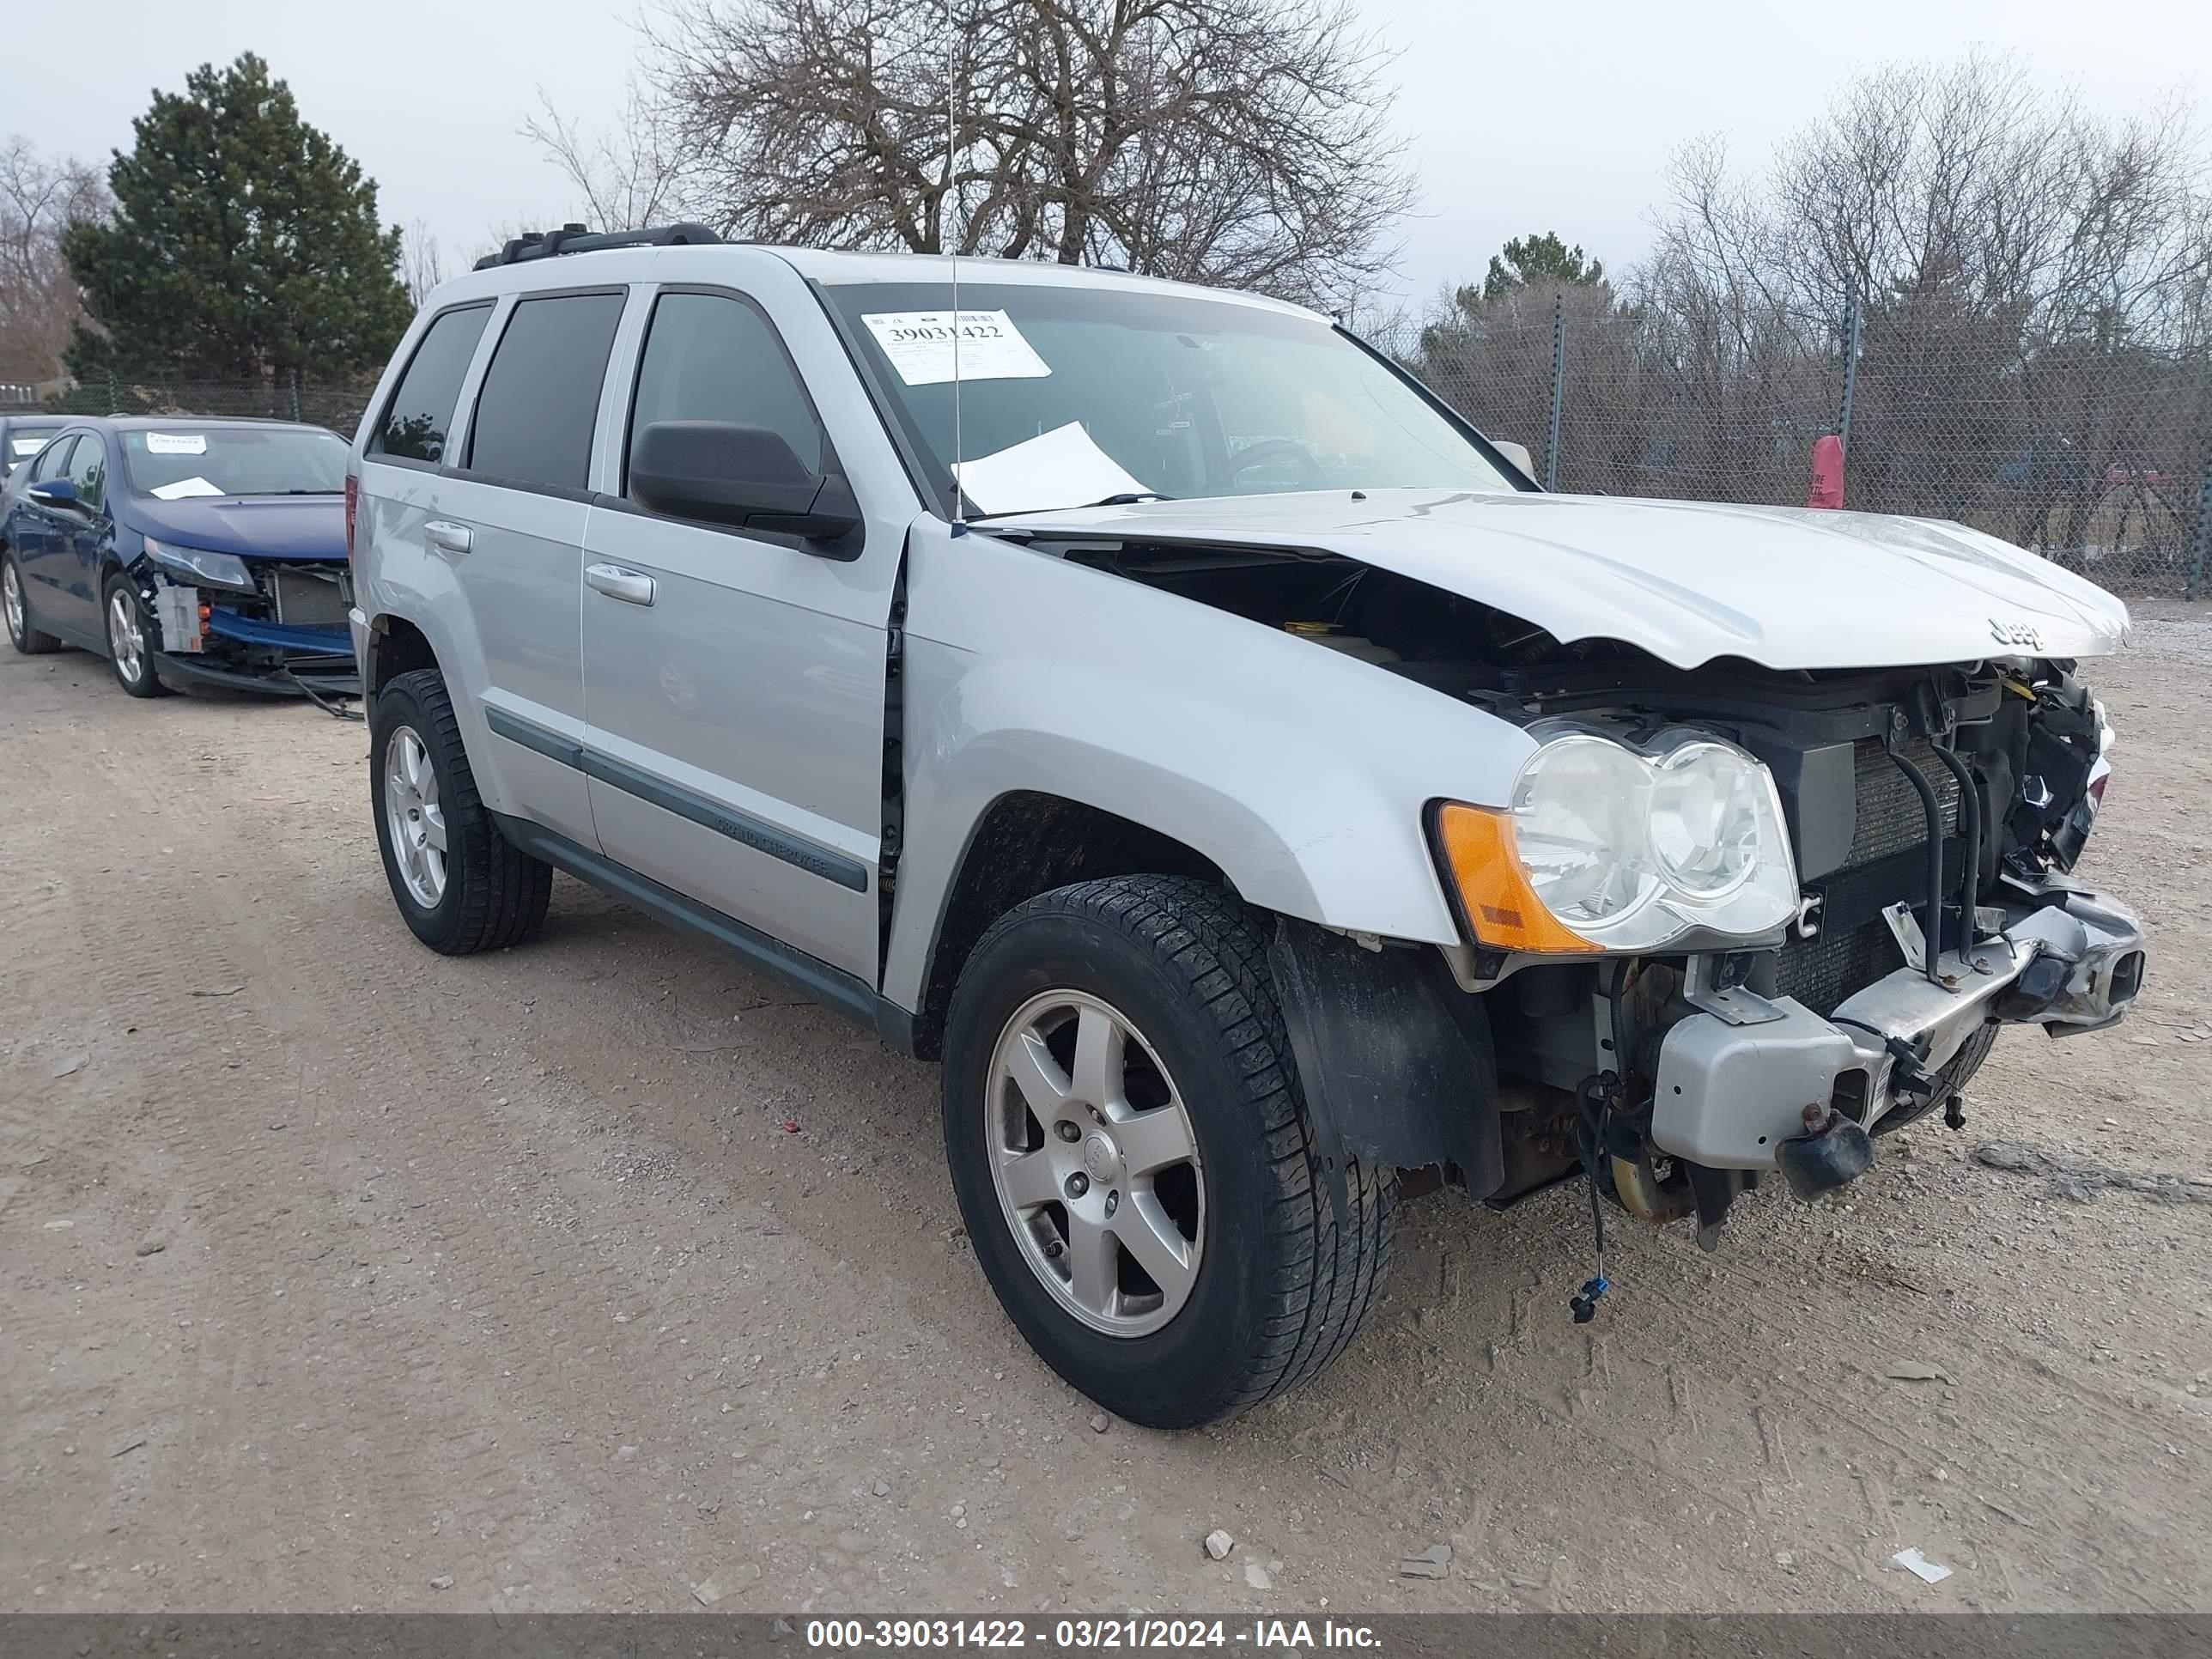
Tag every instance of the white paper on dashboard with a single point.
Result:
(919, 345)
(183, 487)
(176, 443)
(1064, 467)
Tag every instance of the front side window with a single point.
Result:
(709, 357)
(541, 394)
(421, 411)
(1070, 395)
(88, 472)
(50, 464)
(180, 460)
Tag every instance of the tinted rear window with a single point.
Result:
(541, 395)
(421, 412)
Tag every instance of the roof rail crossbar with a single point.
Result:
(576, 238)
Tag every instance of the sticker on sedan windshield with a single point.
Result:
(176, 443)
(919, 345)
(183, 488)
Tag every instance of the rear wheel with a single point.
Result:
(131, 638)
(31, 641)
(1133, 1160)
(461, 884)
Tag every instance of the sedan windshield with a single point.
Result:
(1072, 396)
(23, 442)
(183, 460)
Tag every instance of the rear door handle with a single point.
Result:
(448, 537)
(630, 587)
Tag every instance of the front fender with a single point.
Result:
(1301, 773)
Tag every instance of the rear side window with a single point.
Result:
(541, 395)
(421, 411)
(708, 357)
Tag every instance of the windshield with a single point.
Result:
(1072, 395)
(175, 462)
(23, 442)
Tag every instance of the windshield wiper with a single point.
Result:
(1125, 498)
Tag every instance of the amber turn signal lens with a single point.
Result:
(1494, 893)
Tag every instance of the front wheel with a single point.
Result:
(1133, 1160)
(130, 638)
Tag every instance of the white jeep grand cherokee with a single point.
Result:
(1156, 704)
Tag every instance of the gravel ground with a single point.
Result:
(598, 1274)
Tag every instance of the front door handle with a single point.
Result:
(630, 587)
(448, 537)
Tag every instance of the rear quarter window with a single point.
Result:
(421, 412)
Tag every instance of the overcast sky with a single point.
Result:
(1518, 116)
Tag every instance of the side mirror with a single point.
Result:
(54, 492)
(728, 473)
(1516, 453)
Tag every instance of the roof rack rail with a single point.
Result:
(576, 238)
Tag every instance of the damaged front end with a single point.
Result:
(1934, 819)
(265, 624)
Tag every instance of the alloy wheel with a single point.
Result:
(414, 817)
(1095, 1163)
(126, 642)
(11, 598)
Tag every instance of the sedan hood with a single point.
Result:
(1689, 581)
(251, 526)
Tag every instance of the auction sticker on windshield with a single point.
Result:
(920, 344)
(176, 443)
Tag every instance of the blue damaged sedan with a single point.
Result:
(185, 550)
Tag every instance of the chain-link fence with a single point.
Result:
(2098, 456)
(2093, 453)
(337, 405)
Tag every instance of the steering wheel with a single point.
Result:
(1270, 449)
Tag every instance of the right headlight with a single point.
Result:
(1607, 847)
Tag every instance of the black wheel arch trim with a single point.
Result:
(741, 827)
(1396, 1061)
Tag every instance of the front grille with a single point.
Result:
(309, 599)
(1887, 862)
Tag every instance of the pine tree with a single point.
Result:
(245, 244)
(1529, 259)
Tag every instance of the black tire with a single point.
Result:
(1282, 1283)
(143, 680)
(494, 895)
(31, 641)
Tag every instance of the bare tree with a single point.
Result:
(1235, 141)
(631, 178)
(38, 300)
(421, 262)
(2034, 281)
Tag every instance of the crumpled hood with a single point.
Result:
(1689, 581)
(251, 526)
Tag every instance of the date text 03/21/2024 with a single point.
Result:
(1260, 1635)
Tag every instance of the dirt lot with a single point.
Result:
(334, 1274)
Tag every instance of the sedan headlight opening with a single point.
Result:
(200, 566)
(1611, 848)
